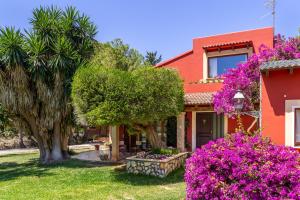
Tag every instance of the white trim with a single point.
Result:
(225, 125)
(193, 131)
(290, 106)
(205, 66)
(230, 52)
(181, 132)
(207, 55)
(293, 121)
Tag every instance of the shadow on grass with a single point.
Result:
(76, 163)
(132, 179)
(13, 170)
(15, 154)
(18, 167)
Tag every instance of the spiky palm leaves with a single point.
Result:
(152, 58)
(36, 70)
(13, 76)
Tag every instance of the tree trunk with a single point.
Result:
(47, 150)
(21, 142)
(56, 152)
(52, 147)
(65, 152)
(152, 135)
(163, 132)
(65, 141)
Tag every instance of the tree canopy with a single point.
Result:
(107, 96)
(119, 55)
(36, 70)
(116, 54)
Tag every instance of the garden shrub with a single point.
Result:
(243, 167)
(165, 151)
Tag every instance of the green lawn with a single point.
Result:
(21, 177)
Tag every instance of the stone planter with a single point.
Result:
(160, 168)
(104, 153)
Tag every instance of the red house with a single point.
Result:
(200, 67)
(209, 58)
(280, 101)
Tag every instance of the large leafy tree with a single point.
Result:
(117, 54)
(36, 70)
(138, 99)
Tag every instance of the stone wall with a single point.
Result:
(160, 168)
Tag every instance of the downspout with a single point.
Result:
(260, 101)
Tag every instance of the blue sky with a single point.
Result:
(167, 26)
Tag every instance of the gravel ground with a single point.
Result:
(80, 147)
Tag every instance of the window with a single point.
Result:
(297, 126)
(219, 65)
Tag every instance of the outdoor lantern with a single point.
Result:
(238, 100)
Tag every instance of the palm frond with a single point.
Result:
(45, 22)
(11, 47)
(64, 55)
(37, 55)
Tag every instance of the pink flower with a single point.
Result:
(246, 76)
(243, 167)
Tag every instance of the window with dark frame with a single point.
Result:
(297, 127)
(219, 65)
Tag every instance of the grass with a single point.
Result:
(21, 177)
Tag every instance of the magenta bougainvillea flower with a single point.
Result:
(243, 167)
(246, 76)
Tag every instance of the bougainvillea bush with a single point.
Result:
(243, 167)
(246, 76)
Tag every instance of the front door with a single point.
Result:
(204, 128)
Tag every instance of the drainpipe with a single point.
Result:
(260, 101)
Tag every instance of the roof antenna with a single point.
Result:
(271, 4)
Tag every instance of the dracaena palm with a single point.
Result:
(36, 72)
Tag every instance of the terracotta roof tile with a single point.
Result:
(200, 98)
(280, 64)
(249, 42)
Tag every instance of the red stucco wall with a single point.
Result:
(276, 88)
(190, 63)
(247, 121)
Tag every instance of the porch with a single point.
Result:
(196, 126)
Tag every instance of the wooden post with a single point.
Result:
(181, 132)
(115, 143)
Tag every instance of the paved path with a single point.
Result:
(34, 150)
